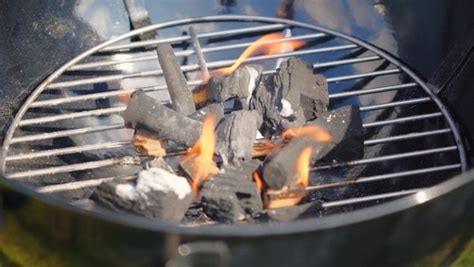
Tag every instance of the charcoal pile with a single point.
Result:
(250, 164)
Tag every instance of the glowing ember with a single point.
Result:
(200, 96)
(263, 148)
(266, 45)
(302, 166)
(203, 152)
(316, 133)
(258, 180)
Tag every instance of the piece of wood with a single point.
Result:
(148, 144)
(145, 112)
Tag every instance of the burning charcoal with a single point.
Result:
(344, 125)
(278, 114)
(290, 97)
(157, 194)
(146, 112)
(239, 84)
(302, 88)
(236, 136)
(217, 109)
(234, 188)
(290, 213)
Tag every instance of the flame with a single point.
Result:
(302, 166)
(283, 203)
(203, 151)
(314, 132)
(258, 180)
(265, 45)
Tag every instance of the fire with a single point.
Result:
(302, 166)
(258, 180)
(314, 132)
(265, 45)
(203, 151)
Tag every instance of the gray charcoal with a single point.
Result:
(290, 213)
(239, 84)
(302, 88)
(234, 188)
(345, 126)
(159, 163)
(217, 109)
(222, 207)
(146, 112)
(157, 194)
(236, 136)
(290, 97)
(278, 114)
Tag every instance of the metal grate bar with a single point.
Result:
(373, 90)
(404, 155)
(406, 136)
(72, 115)
(79, 184)
(69, 168)
(351, 201)
(186, 37)
(188, 52)
(396, 104)
(385, 176)
(69, 150)
(346, 61)
(220, 63)
(66, 133)
(402, 120)
(364, 75)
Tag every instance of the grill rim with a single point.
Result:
(259, 230)
(385, 55)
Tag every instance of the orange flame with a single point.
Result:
(203, 150)
(302, 166)
(265, 45)
(258, 180)
(200, 96)
(318, 134)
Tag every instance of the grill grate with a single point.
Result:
(68, 130)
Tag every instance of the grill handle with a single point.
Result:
(201, 254)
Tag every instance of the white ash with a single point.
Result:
(286, 109)
(127, 191)
(156, 179)
(252, 82)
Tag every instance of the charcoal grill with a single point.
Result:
(67, 136)
(69, 98)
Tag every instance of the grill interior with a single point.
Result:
(67, 138)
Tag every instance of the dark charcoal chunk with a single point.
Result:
(290, 213)
(146, 112)
(277, 114)
(235, 187)
(301, 87)
(236, 136)
(221, 206)
(239, 84)
(345, 126)
(144, 199)
(289, 97)
(217, 109)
